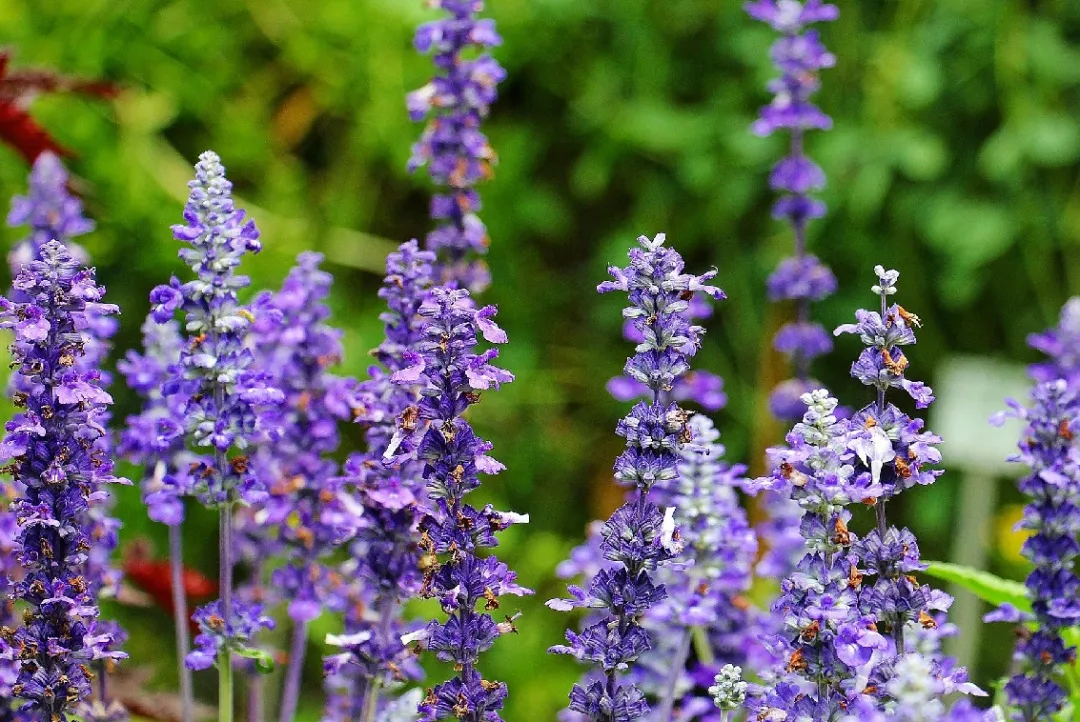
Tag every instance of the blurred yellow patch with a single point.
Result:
(1010, 539)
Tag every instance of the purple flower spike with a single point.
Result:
(799, 55)
(451, 378)
(224, 395)
(226, 402)
(1049, 448)
(50, 210)
(853, 612)
(456, 152)
(639, 538)
(52, 449)
(306, 514)
(384, 568)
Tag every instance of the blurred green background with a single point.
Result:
(953, 159)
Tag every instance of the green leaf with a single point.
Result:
(264, 661)
(988, 587)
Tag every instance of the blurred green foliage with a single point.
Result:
(954, 158)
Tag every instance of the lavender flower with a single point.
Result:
(898, 453)
(50, 210)
(846, 591)
(307, 514)
(52, 447)
(704, 606)
(638, 536)
(219, 638)
(54, 214)
(384, 565)
(1062, 345)
(224, 397)
(826, 640)
(456, 152)
(1049, 449)
(154, 438)
(452, 531)
(799, 55)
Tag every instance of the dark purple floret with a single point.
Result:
(456, 152)
(62, 472)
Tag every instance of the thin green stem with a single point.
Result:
(225, 687)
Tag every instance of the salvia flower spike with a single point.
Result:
(1049, 449)
(62, 473)
(639, 537)
(799, 56)
(384, 569)
(307, 514)
(50, 210)
(226, 398)
(452, 146)
(452, 377)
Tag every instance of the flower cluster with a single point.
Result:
(226, 401)
(452, 376)
(223, 393)
(899, 454)
(826, 638)
(220, 633)
(51, 212)
(453, 147)
(384, 565)
(639, 537)
(1048, 447)
(154, 438)
(704, 606)
(799, 55)
(52, 445)
(306, 513)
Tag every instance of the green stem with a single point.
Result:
(702, 648)
(225, 687)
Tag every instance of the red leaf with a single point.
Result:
(22, 133)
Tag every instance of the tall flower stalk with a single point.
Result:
(384, 565)
(452, 146)
(307, 514)
(1049, 448)
(62, 474)
(638, 536)
(898, 450)
(852, 606)
(452, 532)
(799, 56)
(224, 397)
(52, 212)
